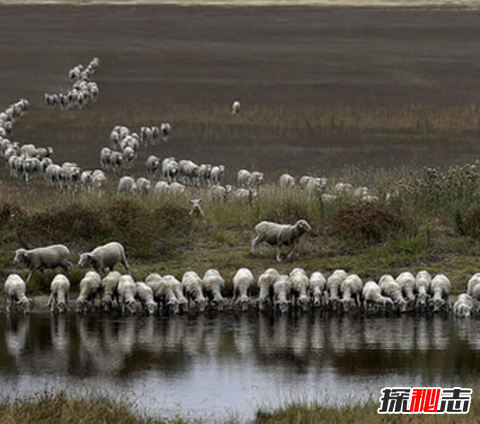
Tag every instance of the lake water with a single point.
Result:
(224, 365)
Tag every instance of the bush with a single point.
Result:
(469, 224)
(370, 223)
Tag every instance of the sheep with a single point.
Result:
(243, 178)
(41, 258)
(59, 288)
(189, 171)
(245, 196)
(176, 189)
(127, 291)
(217, 174)
(145, 296)
(440, 291)
(212, 284)
(161, 188)
(334, 283)
(163, 292)
(392, 289)
(165, 129)
(280, 235)
(220, 193)
(196, 210)
(99, 180)
(144, 186)
(343, 188)
(300, 286)
(281, 293)
(204, 174)
(90, 287)
(372, 296)
(257, 179)
(110, 292)
(462, 308)
(318, 285)
(15, 289)
(265, 284)
(127, 185)
(407, 283)
(192, 286)
(236, 107)
(351, 289)
(153, 165)
(106, 256)
(170, 169)
(286, 180)
(423, 281)
(242, 283)
(177, 289)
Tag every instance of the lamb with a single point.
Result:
(217, 174)
(372, 296)
(127, 185)
(99, 180)
(176, 189)
(265, 284)
(170, 169)
(144, 186)
(196, 210)
(245, 196)
(236, 107)
(423, 281)
(59, 288)
(392, 289)
(257, 179)
(165, 129)
(462, 308)
(220, 193)
(177, 289)
(351, 289)
(90, 287)
(145, 296)
(318, 285)
(407, 283)
(110, 292)
(127, 291)
(280, 235)
(286, 180)
(212, 284)
(153, 165)
(242, 283)
(474, 287)
(106, 256)
(41, 258)
(161, 188)
(243, 178)
(334, 283)
(300, 285)
(15, 289)
(192, 286)
(281, 293)
(440, 290)
(163, 292)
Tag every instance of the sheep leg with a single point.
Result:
(125, 264)
(9, 304)
(254, 243)
(51, 303)
(291, 253)
(278, 257)
(29, 276)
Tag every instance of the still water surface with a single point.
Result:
(219, 366)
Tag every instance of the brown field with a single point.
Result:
(321, 88)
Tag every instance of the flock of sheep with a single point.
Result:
(340, 292)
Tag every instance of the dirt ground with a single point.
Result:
(305, 76)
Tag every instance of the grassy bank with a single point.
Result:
(431, 221)
(50, 408)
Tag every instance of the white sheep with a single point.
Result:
(42, 258)
(165, 129)
(236, 107)
(127, 290)
(265, 284)
(440, 290)
(213, 284)
(280, 235)
(300, 285)
(406, 280)
(177, 289)
(15, 289)
(144, 186)
(161, 189)
(110, 292)
(392, 289)
(163, 293)
(170, 169)
(423, 281)
(106, 256)
(153, 165)
(281, 293)
(351, 289)
(99, 181)
(59, 289)
(243, 178)
(245, 196)
(217, 174)
(196, 209)
(334, 283)
(176, 189)
(146, 297)
(257, 179)
(242, 283)
(318, 284)
(286, 180)
(127, 185)
(192, 286)
(372, 297)
(220, 193)
(474, 286)
(90, 287)
(463, 306)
